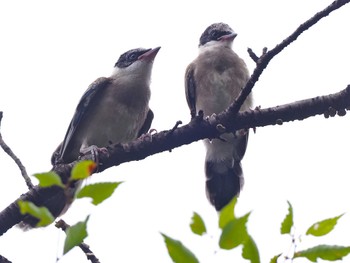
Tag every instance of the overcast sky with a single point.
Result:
(51, 51)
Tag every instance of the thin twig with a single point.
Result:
(21, 167)
(61, 224)
(177, 124)
(264, 60)
(252, 55)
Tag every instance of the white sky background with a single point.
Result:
(50, 53)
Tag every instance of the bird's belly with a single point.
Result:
(220, 150)
(214, 101)
(219, 90)
(120, 127)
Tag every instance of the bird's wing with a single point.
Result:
(241, 146)
(190, 88)
(147, 124)
(83, 106)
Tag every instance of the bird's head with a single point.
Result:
(136, 61)
(218, 34)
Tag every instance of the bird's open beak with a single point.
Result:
(150, 54)
(228, 37)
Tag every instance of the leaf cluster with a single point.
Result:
(234, 234)
(98, 192)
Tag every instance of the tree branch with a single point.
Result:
(199, 128)
(263, 61)
(4, 260)
(21, 167)
(83, 246)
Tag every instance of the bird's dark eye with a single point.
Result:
(133, 56)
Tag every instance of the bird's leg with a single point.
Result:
(94, 151)
(55, 158)
(151, 131)
(148, 136)
(212, 118)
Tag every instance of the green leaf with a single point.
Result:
(287, 223)
(323, 227)
(83, 170)
(250, 251)
(178, 252)
(41, 213)
(98, 192)
(49, 179)
(274, 259)
(197, 225)
(325, 252)
(227, 214)
(234, 233)
(75, 235)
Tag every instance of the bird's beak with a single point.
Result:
(229, 37)
(150, 54)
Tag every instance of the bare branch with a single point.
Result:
(83, 246)
(254, 56)
(264, 60)
(199, 129)
(4, 260)
(21, 167)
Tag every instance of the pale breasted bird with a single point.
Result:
(212, 82)
(112, 110)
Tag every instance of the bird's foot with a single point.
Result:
(148, 136)
(199, 117)
(55, 159)
(95, 153)
(212, 118)
(151, 131)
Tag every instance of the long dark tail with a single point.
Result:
(224, 181)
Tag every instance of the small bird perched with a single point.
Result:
(213, 81)
(112, 110)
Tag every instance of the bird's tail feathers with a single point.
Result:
(224, 181)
